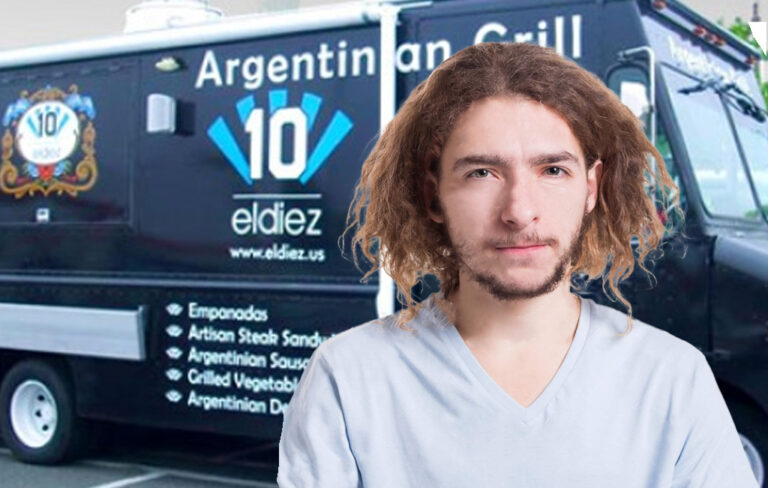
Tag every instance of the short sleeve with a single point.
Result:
(712, 455)
(314, 447)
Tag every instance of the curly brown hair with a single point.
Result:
(396, 231)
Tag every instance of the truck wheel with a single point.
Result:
(751, 424)
(38, 422)
(755, 459)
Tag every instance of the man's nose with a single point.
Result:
(519, 206)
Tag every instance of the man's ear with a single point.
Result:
(431, 199)
(593, 183)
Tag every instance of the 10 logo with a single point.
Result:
(303, 164)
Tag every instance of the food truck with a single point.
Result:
(171, 203)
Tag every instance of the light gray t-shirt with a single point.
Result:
(380, 407)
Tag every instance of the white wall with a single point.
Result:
(49, 21)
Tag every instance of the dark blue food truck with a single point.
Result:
(171, 203)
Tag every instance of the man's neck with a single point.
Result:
(489, 323)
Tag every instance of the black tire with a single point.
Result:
(30, 431)
(752, 425)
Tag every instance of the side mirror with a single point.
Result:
(631, 83)
(634, 68)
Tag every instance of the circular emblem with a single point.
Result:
(48, 132)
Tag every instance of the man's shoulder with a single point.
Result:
(647, 363)
(644, 340)
(367, 333)
(372, 339)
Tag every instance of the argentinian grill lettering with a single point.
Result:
(343, 60)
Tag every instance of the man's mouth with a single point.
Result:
(522, 249)
(521, 245)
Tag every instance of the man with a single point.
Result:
(507, 171)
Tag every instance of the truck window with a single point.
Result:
(67, 143)
(662, 144)
(753, 135)
(707, 136)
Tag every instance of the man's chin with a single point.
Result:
(523, 277)
(513, 290)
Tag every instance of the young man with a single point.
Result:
(505, 173)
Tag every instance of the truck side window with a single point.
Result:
(631, 83)
(68, 145)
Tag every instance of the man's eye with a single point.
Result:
(481, 172)
(560, 171)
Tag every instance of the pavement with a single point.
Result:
(155, 459)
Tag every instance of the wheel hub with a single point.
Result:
(34, 413)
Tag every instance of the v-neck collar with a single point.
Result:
(504, 400)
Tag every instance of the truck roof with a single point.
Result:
(346, 14)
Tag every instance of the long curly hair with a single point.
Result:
(389, 211)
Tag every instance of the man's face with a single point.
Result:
(513, 194)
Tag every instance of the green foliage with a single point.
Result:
(753, 214)
(741, 29)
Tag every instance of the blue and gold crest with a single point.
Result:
(49, 143)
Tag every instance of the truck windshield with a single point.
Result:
(753, 135)
(712, 149)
